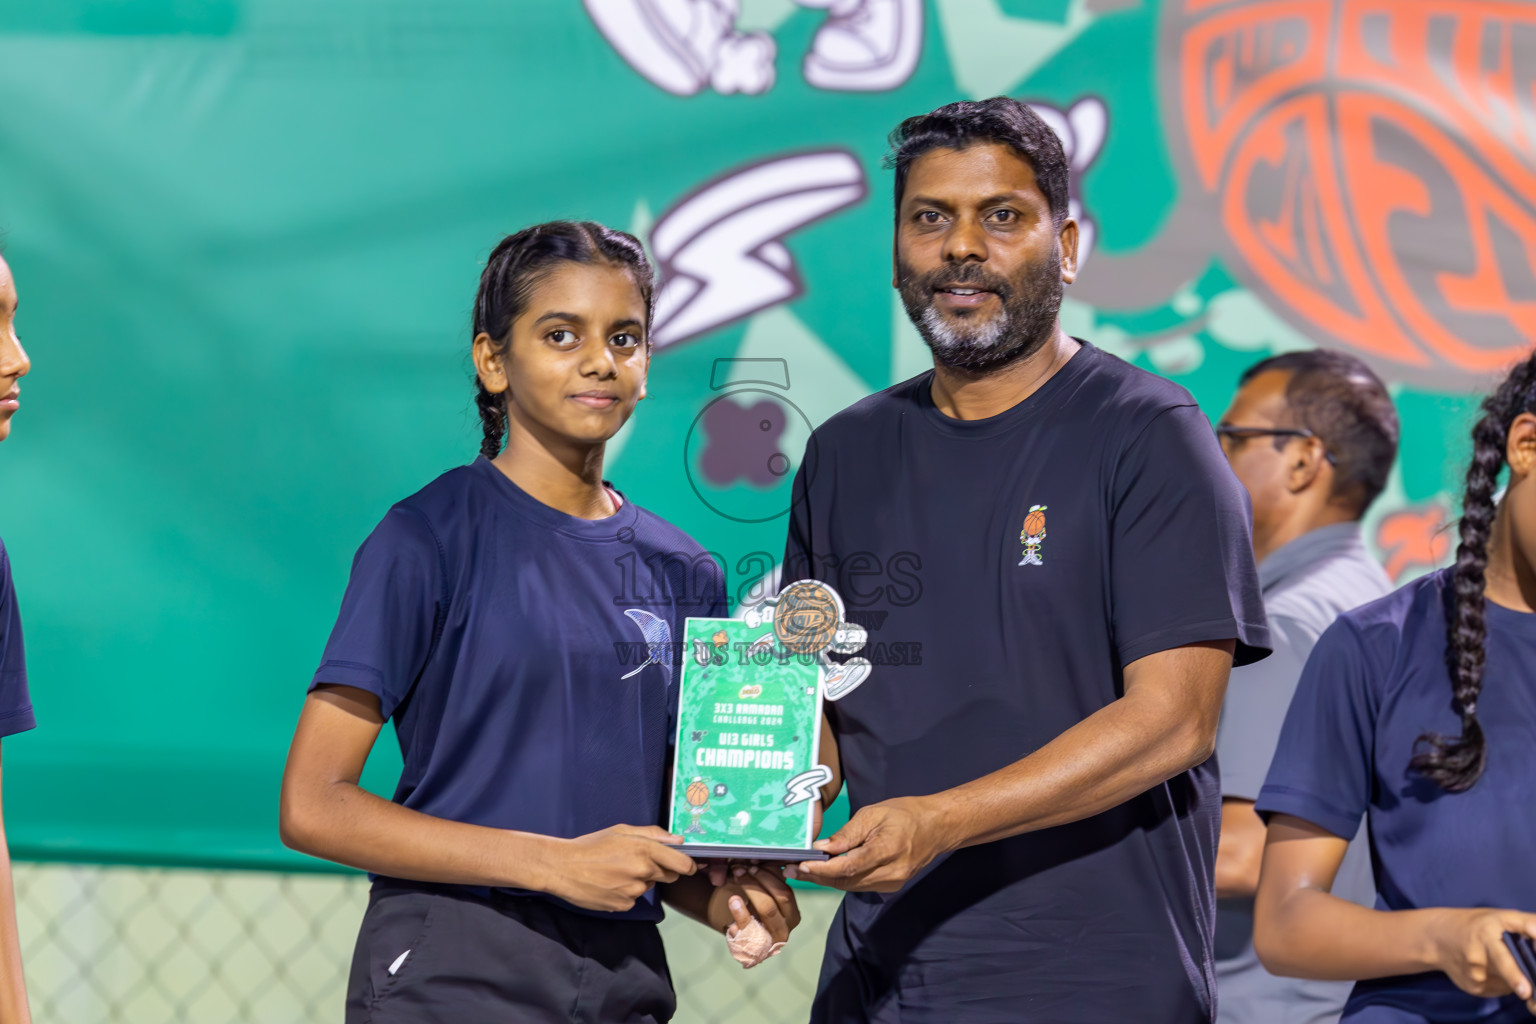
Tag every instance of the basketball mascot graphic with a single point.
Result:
(1033, 535)
(697, 795)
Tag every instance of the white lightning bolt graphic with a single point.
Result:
(803, 787)
(720, 250)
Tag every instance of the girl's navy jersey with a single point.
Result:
(1375, 682)
(15, 703)
(526, 656)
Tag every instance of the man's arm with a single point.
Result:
(1240, 850)
(1163, 725)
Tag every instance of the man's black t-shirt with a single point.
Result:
(1008, 569)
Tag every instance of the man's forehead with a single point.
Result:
(977, 169)
(1263, 395)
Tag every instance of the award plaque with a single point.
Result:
(746, 774)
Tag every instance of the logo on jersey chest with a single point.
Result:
(1032, 536)
(654, 649)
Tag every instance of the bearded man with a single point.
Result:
(1036, 804)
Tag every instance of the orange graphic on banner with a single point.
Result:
(1373, 167)
(1414, 537)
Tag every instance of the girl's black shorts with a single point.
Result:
(426, 956)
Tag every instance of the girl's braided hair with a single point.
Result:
(516, 266)
(1456, 762)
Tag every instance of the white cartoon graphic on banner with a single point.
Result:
(1082, 129)
(683, 46)
(864, 45)
(719, 251)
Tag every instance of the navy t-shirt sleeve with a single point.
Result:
(1322, 767)
(15, 702)
(1181, 557)
(389, 615)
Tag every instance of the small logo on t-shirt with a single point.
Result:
(1033, 535)
(657, 642)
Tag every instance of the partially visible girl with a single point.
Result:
(15, 704)
(1419, 711)
(517, 867)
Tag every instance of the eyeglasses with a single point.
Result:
(1227, 430)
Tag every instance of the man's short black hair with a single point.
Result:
(1338, 398)
(999, 119)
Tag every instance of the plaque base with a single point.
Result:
(709, 851)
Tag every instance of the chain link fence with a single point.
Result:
(130, 945)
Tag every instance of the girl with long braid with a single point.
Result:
(15, 702)
(1445, 775)
(516, 870)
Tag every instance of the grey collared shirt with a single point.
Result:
(1306, 585)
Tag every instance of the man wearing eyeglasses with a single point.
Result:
(1312, 436)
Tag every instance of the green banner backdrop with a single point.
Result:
(247, 235)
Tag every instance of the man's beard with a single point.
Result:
(965, 341)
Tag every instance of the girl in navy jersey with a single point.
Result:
(495, 617)
(15, 704)
(1419, 712)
